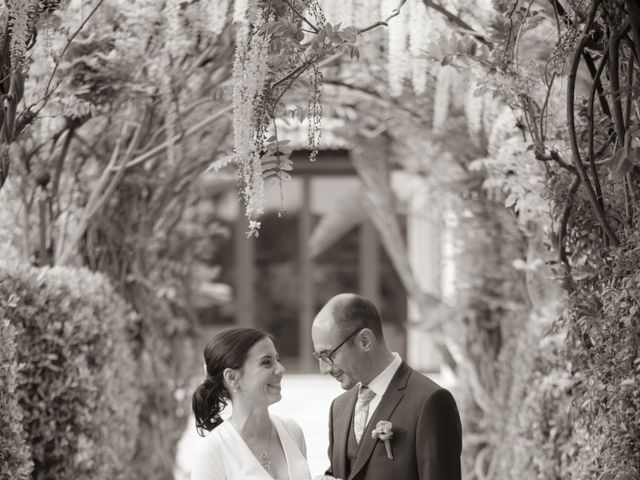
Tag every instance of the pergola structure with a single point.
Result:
(330, 163)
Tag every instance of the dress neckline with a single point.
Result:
(276, 427)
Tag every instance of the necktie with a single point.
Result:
(365, 395)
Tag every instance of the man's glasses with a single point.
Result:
(327, 357)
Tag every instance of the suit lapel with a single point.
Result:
(341, 425)
(386, 407)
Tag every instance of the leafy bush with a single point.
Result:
(568, 403)
(532, 422)
(603, 322)
(76, 381)
(15, 461)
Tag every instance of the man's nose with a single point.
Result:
(325, 367)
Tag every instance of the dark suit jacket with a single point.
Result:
(427, 436)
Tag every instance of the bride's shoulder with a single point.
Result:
(286, 421)
(289, 424)
(214, 438)
(293, 430)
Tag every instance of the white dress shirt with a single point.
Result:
(380, 384)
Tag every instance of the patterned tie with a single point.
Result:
(365, 395)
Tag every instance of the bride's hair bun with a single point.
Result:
(228, 349)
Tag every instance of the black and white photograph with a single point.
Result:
(319, 239)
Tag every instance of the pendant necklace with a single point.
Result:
(265, 461)
(263, 458)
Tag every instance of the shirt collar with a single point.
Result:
(381, 382)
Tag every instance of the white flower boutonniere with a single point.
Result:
(384, 432)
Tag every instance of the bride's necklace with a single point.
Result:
(265, 461)
(264, 458)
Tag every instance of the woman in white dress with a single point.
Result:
(243, 367)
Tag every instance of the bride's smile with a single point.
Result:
(243, 367)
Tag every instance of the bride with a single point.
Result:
(243, 367)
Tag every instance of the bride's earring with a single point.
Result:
(231, 380)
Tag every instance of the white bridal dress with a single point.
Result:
(224, 455)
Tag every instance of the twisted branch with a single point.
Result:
(577, 160)
(456, 20)
(566, 213)
(590, 116)
(614, 76)
(385, 22)
(634, 15)
(595, 77)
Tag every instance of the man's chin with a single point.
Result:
(346, 382)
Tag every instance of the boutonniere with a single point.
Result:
(384, 432)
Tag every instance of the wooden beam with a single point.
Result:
(328, 162)
(307, 300)
(369, 263)
(244, 261)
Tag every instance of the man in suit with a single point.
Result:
(427, 437)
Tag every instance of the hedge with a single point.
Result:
(15, 455)
(602, 317)
(77, 378)
(569, 395)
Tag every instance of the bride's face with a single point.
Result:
(262, 374)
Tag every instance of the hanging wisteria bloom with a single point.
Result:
(176, 42)
(250, 74)
(447, 76)
(216, 15)
(241, 19)
(399, 61)
(419, 30)
(19, 13)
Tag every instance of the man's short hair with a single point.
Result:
(356, 312)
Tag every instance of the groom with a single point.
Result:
(427, 439)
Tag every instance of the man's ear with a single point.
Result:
(365, 339)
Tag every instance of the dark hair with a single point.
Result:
(228, 349)
(354, 312)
